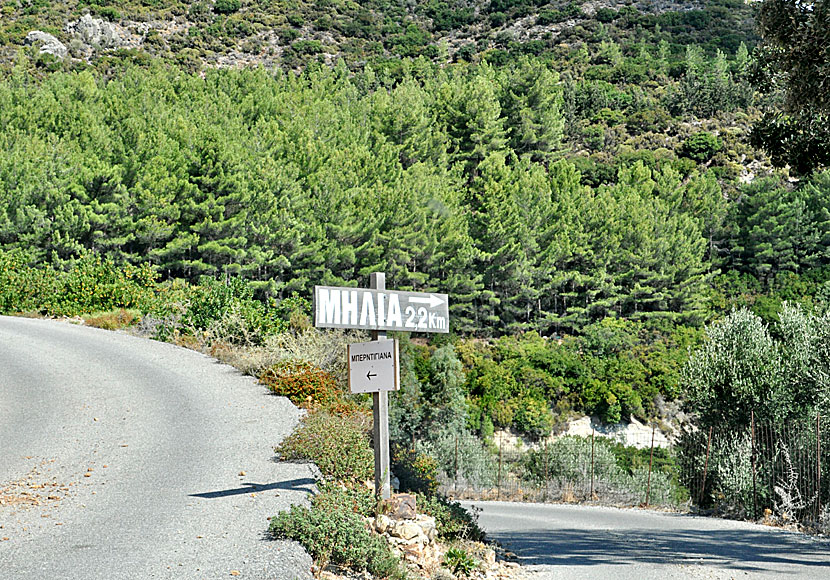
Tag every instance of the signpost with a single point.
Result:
(379, 309)
(374, 366)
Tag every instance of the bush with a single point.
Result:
(334, 533)
(417, 471)
(226, 6)
(96, 284)
(337, 445)
(303, 383)
(463, 455)
(227, 311)
(453, 521)
(112, 320)
(460, 562)
(701, 147)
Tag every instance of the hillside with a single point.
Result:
(290, 34)
(577, 172)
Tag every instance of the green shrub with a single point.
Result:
(453, 521)
(701, 147)
(460, 454)
(533, 416)
(228, 309)
(460, 562)
(333, 533)
(22, 288)
(95, 284)
(226, 6)
(417, 471)
(338, 445)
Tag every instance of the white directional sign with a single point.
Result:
(373, 366)
(380, 310)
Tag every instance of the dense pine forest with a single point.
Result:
(588, 181)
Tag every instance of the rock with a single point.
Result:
(382, 523)
(428, 525)
(402, 506)
(407, 530)
(96, 32)
(48, 43)
(442, 574)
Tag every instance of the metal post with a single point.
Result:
(705, 469)
(754, 471)
(650, 461)
(818, 464)
(380, 414)
(455, 483)
(547, 476)
(498, 481)
(592, 463)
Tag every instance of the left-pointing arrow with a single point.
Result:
(370, 374)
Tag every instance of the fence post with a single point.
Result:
(547, 477)
(455, 483)
(818, 465)
(498, 481)
(754, 470)
(650, 461)
(592, 463)
(705, 470)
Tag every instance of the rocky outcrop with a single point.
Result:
(48, 43)
(96, 32)
(415, 538)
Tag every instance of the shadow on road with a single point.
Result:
(744, 550)
(304, 484)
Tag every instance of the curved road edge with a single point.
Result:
(130, 458)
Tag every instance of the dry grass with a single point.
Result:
(114, 320)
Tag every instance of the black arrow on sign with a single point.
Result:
(370, 374)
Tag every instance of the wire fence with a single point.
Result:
(769, 471)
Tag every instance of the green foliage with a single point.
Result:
(460, 562)
(793, 64)
(89, 284)
(617, 469)
(338, 445)
(744, 367)
(417, 471)
(452, 520)
(226, 6)
(701, 147)
(333, 531)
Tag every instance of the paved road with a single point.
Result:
(579, 542)
(125, 458)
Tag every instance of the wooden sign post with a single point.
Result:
(379, 310)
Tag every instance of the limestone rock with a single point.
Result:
(48, 43)
(382, 523)
(96, 32)
(407, 530)
(402, 506)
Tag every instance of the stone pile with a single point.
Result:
(414, 537)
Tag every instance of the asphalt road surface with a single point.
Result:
(579, 542)
(126, 458)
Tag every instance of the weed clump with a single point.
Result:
(338, 445)
(301, 382)
(333, 531)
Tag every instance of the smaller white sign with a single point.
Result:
(373, 366)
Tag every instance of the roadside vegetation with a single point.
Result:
(628, 207)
